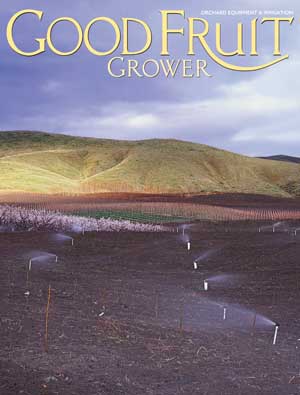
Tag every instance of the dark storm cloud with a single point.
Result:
(252, 113)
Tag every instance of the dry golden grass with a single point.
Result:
(45, 163)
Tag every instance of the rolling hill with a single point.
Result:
(283, 158)
(53, 163)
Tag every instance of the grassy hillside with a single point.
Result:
(48, 163)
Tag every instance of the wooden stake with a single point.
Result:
(254, 324)
(181, 319)
(47, 318)
(156, 305)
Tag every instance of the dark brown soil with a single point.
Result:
(161, 333)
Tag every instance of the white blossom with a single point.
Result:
(14, 218)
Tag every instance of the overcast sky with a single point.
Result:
(250, 113)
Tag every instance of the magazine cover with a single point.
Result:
(149, 197)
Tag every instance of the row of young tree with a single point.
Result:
(15, 218)
(191, 211)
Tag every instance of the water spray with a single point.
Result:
(195, 265)
(205, 285)
(275, 333)
(44, 256)
(62, 237)
(188, 245)
(276, 225)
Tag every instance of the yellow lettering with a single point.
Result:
(166, 31)
(214, 57)
(10, 37)
(79, 31)
(126, 39)
(277, 21)
(87, 36)
(239, 51)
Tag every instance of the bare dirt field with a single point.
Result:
(128, 313)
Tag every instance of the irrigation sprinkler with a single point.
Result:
(183, 231)
(28, 270)
(205, 285)
(188, 245)
(275, 333)
(56, 258)
(72, 241)
(274, 229)
(224, 313)
(195, 265)
(259, 230)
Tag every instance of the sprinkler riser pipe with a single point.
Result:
(275, 334)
